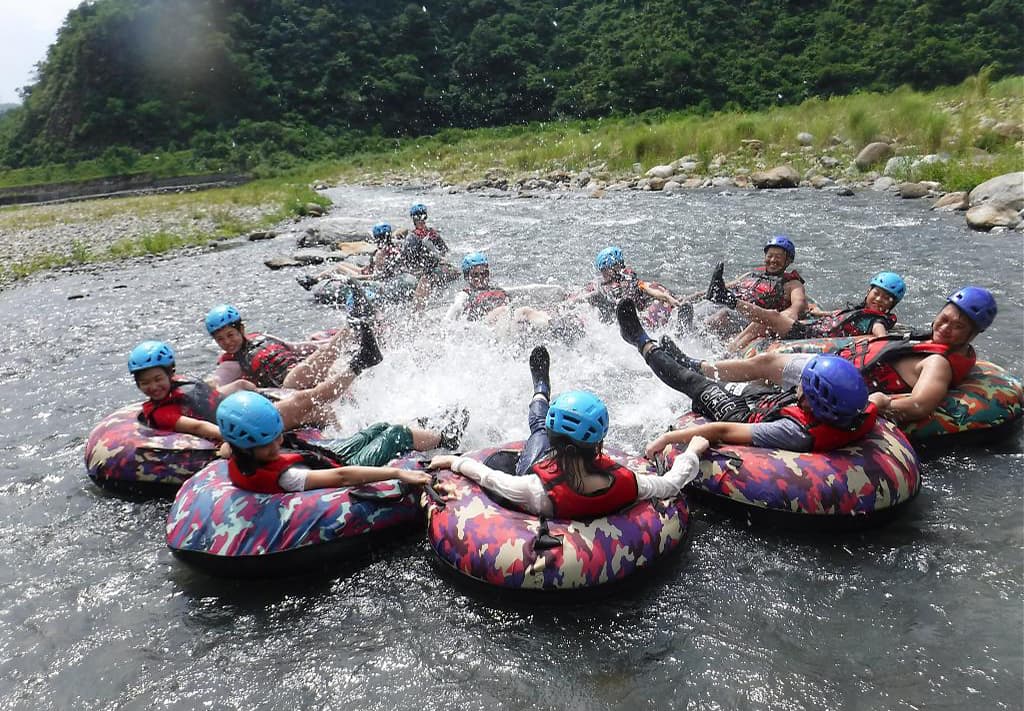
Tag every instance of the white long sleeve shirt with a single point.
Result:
(527, 492)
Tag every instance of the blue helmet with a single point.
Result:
(417, 210)
(580, 416)
(782, 242)
(220, 316)
(891, 283)
(977, 303)
(473, 259)
(150, 354)
(381, 231)
(247, 419)
(834, 389)
(609, 258)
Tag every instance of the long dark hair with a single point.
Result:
(575, 460)
(245, 460)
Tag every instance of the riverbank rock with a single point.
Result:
(988, 216)
(871, 154)
(313, 209)
(897, 165)
(261, 235)
(804, 138)
(883, 184)
(662, 172)
(820, 181)
(951, 202)
(912, 191)
(783, 176)
(1004, 191)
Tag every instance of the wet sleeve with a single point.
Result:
(526, 492)
(684, 469)
(781, 434)
(293, 478)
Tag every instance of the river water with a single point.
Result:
(96, 614)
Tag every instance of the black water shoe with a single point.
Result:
(540, 362)
(671, 348)
(369, 353)
(630, 329)
(717, 291)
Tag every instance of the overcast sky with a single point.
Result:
(27, 28)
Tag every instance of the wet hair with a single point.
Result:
(245, 460)
(574, 459)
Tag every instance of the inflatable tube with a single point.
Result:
(124, 455)
(226, 531)
(988, 405)
(497, 546)
(855, 486)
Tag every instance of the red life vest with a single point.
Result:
(856, 321)
(765, 290)
(266, 360)
(431, 235)
(569, 503)
(483, 301)
(187, 398)
(824, 436)
(264, 479)
(874, 358)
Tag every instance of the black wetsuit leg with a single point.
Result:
(538, 443)
(709, 398)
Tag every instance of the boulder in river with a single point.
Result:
(1005, 191)
(989, 215)
(664, 172)
(912, 191)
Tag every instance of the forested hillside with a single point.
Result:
(227, 78)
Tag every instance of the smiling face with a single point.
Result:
(268, 452)
(775, 260)
(879, 299)
(229, 338)
(155, 383)
(952, 327)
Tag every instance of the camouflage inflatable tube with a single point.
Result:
(988, 404)
(227, 531)
(509, 549)
(857, 485)
(125, 455)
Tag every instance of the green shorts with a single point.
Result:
(375, 446)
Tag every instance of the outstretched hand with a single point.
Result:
(655, 447)
(442, 461)
(415, 478)
(698, 445)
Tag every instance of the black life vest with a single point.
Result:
(266, 360)
(874, 358)
(855, 321)
(765, 290)
(193, 398)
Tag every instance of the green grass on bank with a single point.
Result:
(225, 208)
(946, 121)
(943, 121)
